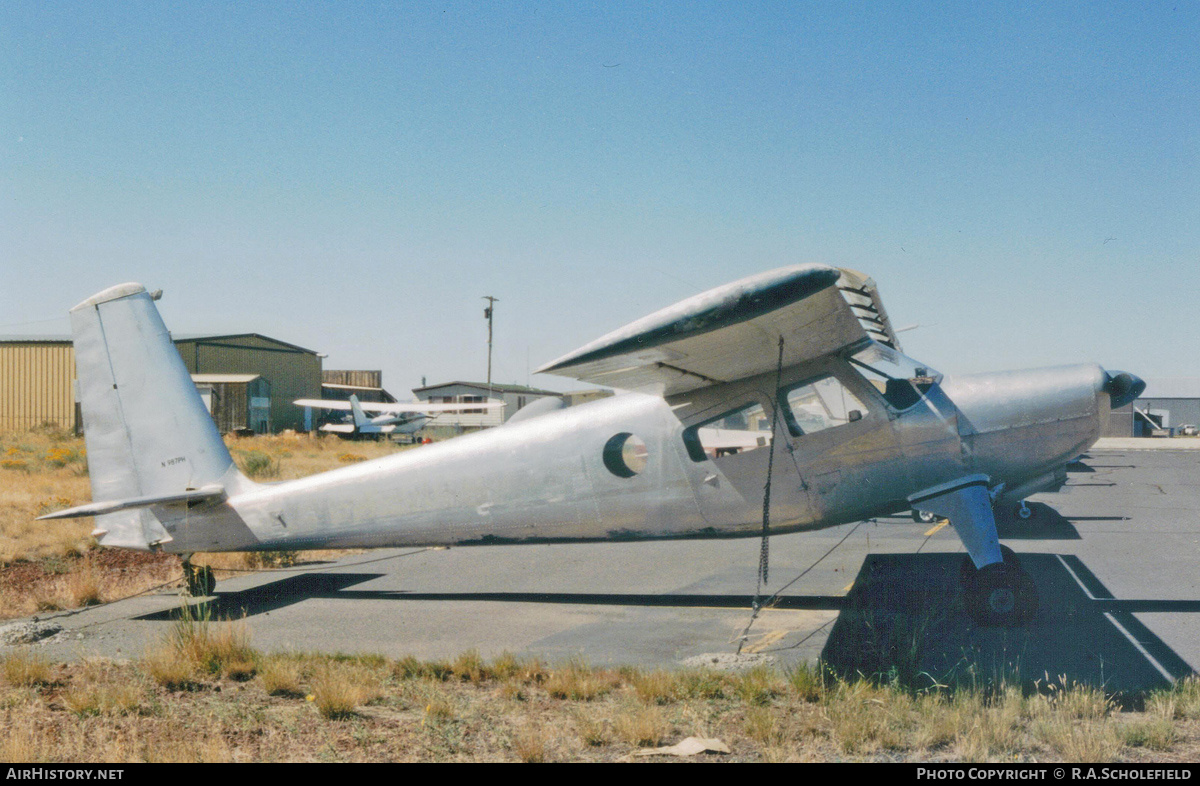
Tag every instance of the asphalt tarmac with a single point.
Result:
(1115, 557)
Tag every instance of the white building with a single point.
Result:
(514, 397)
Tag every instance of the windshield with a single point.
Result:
(890, 363)
(821, 404)
(900, 379)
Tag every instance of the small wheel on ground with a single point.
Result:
(200, 580)
(208, 580)
(1024, 512)
(191, 578)
(924, 517)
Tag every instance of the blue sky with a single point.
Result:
(1020, 179)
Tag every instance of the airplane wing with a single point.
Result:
(733, 332)
(340, 428)
(412, 406)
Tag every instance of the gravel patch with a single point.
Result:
(28, 632)
(728, 661)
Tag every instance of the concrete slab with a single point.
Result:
(1148, 443)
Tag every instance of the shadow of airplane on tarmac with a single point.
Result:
(266, 597)
(904, 616)
(1045, 523)
(294, 589)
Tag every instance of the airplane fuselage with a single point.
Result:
(629, 467)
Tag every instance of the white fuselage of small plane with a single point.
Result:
(559, 478)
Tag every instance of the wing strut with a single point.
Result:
(764, 555)
(969, 507)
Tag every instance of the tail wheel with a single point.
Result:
(1001, 594)
(924, 517)
(200, 580)
(1024, 512)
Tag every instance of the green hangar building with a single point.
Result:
(247, 380)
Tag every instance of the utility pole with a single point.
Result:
(487, 314)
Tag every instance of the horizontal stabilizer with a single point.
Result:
(208, 493)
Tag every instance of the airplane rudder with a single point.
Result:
(144, 421)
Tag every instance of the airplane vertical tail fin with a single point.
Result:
(360, 417)
(146, 428)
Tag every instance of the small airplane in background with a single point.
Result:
(398, 418)
(799, 366)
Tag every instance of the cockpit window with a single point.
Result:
(900, 379)
(738, 431)
(820, 404)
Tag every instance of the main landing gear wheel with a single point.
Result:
(924, 517)
(200, 579)
(1001, 594)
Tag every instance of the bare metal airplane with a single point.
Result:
(833, 424)
(397, 418)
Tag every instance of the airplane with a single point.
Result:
(854, 429)
(398, 418)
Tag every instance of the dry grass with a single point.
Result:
(470, 666)
(806, 682)
(48, 564)
(1074, 742)
(764, 726)
(213, 648)
(759, 685)
(338, 689)
(1157, 734)
(104, 698)
(641, 726)
(196, 648)
(655, 687)
(84, 585)
(703, 683)
(592, 728)
(409, 667)
(24, 742)
(258, 464)
(577, 681)
(42, 471)
(507, 666)
(532, 744)
(865, 717)
(163, 665)
(304, 707)
(23, 667)
(281, 676)
(1184, 698)
(439, 705)
(988, 727)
